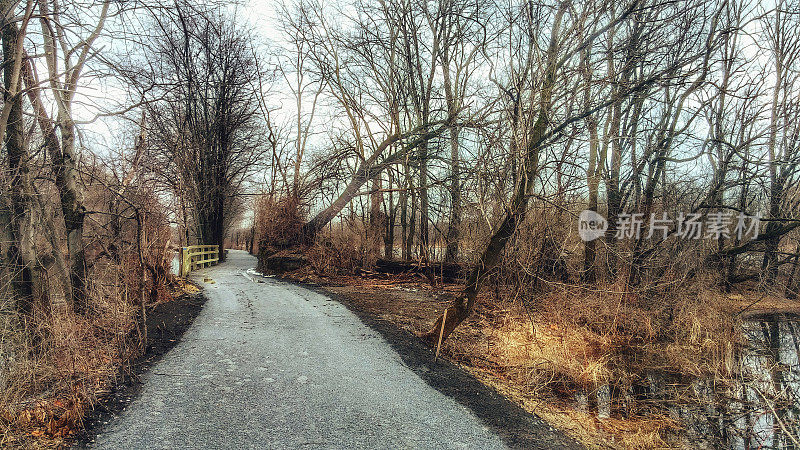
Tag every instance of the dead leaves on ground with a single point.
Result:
(45, 424)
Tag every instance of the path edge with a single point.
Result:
(128, 383)
(516, 427)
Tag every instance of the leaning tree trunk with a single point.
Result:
(315, 225)
(463, 306)
(369, 170)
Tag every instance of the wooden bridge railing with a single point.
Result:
(197, 257)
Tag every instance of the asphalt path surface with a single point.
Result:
(268, 364)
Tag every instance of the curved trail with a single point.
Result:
(268, 364)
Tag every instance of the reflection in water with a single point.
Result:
(768, 410)
(760, 409)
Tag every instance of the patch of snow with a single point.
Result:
(258, 274)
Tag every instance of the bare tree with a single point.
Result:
(202, 90)
(464, 40)
(20, 254)
(782, 154)
(569, 35)
(66, 52)
(352, 68)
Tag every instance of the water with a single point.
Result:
(176, 264)
(769, 390)
(760, 408)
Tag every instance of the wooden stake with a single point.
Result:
(441, 333)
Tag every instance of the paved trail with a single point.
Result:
(268, 364)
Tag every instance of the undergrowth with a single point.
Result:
(56, 365)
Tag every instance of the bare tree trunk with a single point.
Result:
(6, 239)
(390, 218)
(613, 193)
(20, 249)
(376, 217)
(74, 213)
(454, 82)
(71, 204)
(140, 244)
(63, 84)
(454, 227)
(790, 291)
(592, 177)
(589, 274)
(424, 231)
(251, 243)
(412, 225)
(731, 260)
(315, 225)
(403, 216)
(769, 264)
(463, 306)
(212, 223)
(406, 218)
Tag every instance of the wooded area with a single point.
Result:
(461, 140)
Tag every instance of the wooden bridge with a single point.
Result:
(197, 257)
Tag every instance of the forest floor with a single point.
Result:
(484, 346)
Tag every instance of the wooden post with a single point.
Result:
(441, 332)
(184, 269)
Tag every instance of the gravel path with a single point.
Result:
(268, 364)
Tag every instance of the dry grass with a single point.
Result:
(57, 365)
(342, 252)
(49, 388)
(279, 222)
(572, 342)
